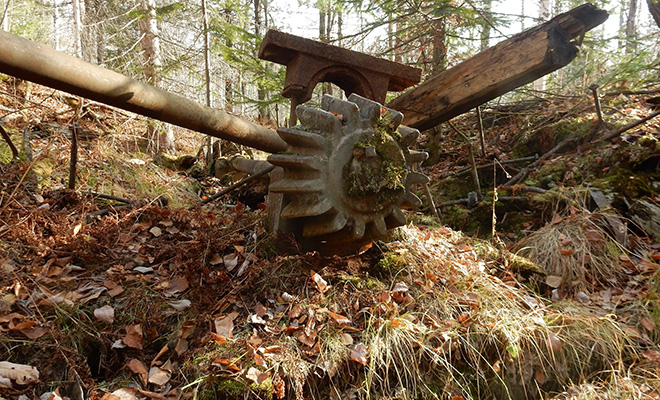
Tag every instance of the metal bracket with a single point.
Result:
(309, 62)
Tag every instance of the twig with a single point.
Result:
(74, 157)
(531, 189)
(480, 124)
(523, 172)
(5, 135)
(490, 165)
(631, 125)
(110, 197)
(475, 175)
(427, 191)
(238, 184)
(628, 92)
(599, 112)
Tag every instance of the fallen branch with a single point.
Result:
(238, 184)
(110, 197)
(531, 189)
(5, 135)
(629, 92)
(631, 125)
(523, 173)
(74, 156)
(490, 165)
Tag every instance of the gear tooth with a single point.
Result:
(416, 177)
(349, 111)
(358, 228)
(330, 224)
(411, 201)
(397, 218)
(323, 121)
(415, 157)
(369, 109)
(296, 162)
(309, 208)
(288, 185)
(379, 226)
(408, 135)
(298, 138)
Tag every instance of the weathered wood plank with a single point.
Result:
(514, 62)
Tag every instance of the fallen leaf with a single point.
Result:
(359, 353)
(224, 326)
(156, 231)
(181, 346)
(230, 365)
(215, 259)
(257, 376)
(20, 373)
(566, 252)
(539, 377)
(159, 376)
(554, 343)
(345, 339)
(105, 314)
(321, 285)
(76, 229)
(400, 287)
(219, 339)
(652, 355)
(230, 261)
(295, 312)
(133, 337)
(140, 369)
(308, 339)
(177, 285)
(648, 324)
(583, 298)
(179, 305)
(553, 281)
(338, 318)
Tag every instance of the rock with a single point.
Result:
(647, 216)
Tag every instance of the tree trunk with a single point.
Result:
(544, 15)
(486, 24)
(77, 28)
(261, 91)
(439, 62)
(56, 23)
(151, 55)
(6, 25)
(207, 74)
(228, 81)
(631, 28)
(654, 9)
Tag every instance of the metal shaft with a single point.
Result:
(41, 64)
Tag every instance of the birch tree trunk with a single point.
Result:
(631, 28)
(77, 28)
(151, 54)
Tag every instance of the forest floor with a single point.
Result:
(169, 299)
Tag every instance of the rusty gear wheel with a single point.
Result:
(346, 174)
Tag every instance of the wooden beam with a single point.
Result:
(514, 62)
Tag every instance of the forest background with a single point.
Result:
(206, 49)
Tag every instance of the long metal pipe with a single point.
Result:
(41, 64)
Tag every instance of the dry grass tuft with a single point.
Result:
(578, 248)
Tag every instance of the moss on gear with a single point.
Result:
(346, 175)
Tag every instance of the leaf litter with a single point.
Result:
(165, 303)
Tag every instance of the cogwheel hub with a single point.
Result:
(346, 174)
